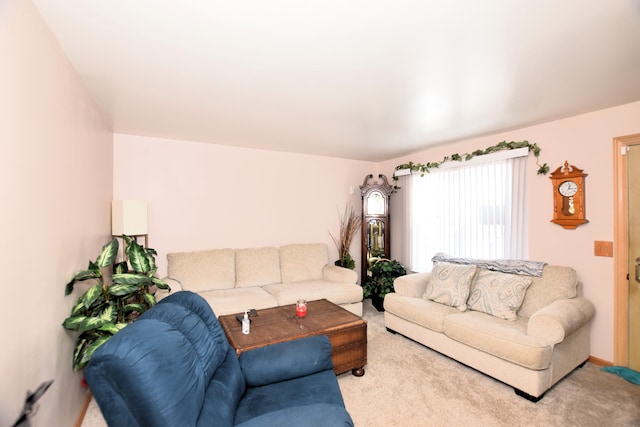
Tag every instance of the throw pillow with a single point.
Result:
(449, 284)
(498, 294)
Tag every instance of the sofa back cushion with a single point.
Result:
(203, 270)
(257, 267)
(300, 262)
(555, 283)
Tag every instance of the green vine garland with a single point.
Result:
(512, 145)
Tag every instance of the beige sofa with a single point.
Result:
(234, 280)
(546, 339)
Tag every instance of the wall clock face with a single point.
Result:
(568, 188)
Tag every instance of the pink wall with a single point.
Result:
(60, 166)
(213, 196)
(204, 196)
(55, 186)
(587, 142)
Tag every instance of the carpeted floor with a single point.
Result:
(407, 384)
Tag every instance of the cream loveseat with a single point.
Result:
(523, 323)
(235, 280)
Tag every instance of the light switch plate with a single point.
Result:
(601, 248)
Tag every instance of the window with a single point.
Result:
(473, 209)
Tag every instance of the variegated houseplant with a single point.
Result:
(118, 293)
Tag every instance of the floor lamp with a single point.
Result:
(129, 217)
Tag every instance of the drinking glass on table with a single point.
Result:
(301, 308)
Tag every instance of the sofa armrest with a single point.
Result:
(173, 284)
(560, 319)
(334, 273)
(286, 360)
(411, 285)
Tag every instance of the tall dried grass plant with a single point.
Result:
(349, 225)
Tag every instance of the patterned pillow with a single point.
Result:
(498, 294)
(449, 284)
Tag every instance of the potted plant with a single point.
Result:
(349, 226)
(118, 294)
(380, 283)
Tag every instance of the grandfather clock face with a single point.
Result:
(375, 204)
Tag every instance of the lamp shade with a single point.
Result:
(129, 217)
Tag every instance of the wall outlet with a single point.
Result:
(603, 248)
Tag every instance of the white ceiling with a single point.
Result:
(358, 79)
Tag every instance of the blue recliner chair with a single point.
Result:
(174, 367)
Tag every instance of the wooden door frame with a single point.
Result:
(621, 250)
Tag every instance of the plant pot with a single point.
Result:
(378, 302)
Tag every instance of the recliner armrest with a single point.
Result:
(286, 360)
(412, 285)
(334, 273)
(560, 319)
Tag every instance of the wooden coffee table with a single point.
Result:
(346, 331)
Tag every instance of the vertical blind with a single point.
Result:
(472, 210)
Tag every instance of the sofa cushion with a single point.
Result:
(300, 262)
(500, 338)
(257, 267)
(556, 283)
(304, 394)
(449, 284)
(237, 300)
(420, 311)
(498, 294)
(337, 293)
(203, 270)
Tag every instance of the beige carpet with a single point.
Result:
(407, 384)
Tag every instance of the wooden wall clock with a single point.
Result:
(568, 196)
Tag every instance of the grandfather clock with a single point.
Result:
(375, 221)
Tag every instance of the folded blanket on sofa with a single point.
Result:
(513, 266)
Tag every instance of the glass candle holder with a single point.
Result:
(301, 308)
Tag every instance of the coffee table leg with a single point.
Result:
(358, 372)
